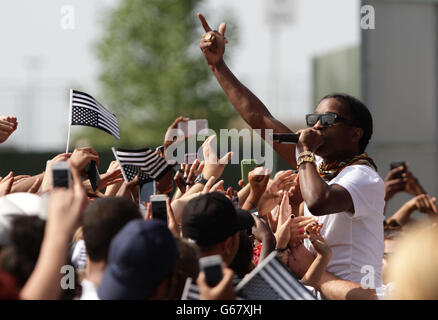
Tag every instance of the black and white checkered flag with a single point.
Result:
(87, 111)
(143, 162)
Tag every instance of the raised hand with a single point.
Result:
(412, 185)
(170, 136)
(224, 290)
(258, 180)
(6, 184)
(298, 227)
(213, 166)
(212, 42)
(81, 157)
(35, 186)
(46, 184)
(283, 180)
(394, 184)
(171, 221)
(112, 176)
(282, 233)
(129, 190)
(318, 242)
(180, 183)
(424, 203)
(7, 126)
(310, 140)
(191, 171)
(295, 197)
(66, 206)
(209, 187)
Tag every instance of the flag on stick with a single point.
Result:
(271, 280)
(87, 111)
(143, 162)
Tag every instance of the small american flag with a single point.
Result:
(191, 290)
(143, 162)
(87, 111)
(271, 280)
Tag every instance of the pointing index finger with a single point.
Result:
(204, 22)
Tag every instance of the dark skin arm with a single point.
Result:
(321, 198)
(250, 108)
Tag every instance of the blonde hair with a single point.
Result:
(414, 266)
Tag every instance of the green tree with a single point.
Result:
(153, 71)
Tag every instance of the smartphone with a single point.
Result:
(147, 190)
(212, 267)
(159, 210)
(93, 174)
(397, 164)
(193, 127)
(246, 166)
(61, 176)
(189, 158)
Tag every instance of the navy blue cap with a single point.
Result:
(140, 257)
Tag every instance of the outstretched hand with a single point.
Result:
(212, 165)
(7, 126)
(212, 42)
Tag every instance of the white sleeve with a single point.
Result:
(365, 187)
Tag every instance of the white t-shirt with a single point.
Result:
(89, 290)
(356, 239)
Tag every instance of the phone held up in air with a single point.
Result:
(93, 174)
(159, 209)
(212, 267)
(146, 190)
(61, 175)
(397, 164)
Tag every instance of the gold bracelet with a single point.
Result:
(305, 153)
(303, 159)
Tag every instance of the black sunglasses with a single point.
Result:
(327, 119)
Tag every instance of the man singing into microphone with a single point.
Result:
(339, 182)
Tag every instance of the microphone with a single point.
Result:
(285, 138)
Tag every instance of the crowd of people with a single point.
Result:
(324, 218)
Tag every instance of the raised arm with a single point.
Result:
(250, 108)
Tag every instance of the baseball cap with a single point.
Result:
(211, 218)
(140, 257)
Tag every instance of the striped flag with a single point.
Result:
(191, 290)
(271, 280)
(143, 162)
(87, 111)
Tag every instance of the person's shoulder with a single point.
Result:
(360, 172)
